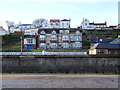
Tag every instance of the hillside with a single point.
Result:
(12, 41)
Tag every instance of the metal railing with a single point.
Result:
(41, 53)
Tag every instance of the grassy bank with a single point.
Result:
(40, 50)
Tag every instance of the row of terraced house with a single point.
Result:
(59, 35)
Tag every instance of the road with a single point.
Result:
(59, 81)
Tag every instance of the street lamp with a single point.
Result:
(21, 44)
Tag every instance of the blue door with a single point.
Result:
(29, 47)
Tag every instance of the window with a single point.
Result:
(42, 45)
(71, 38)
(77, 38)
(65, 38)
(57, 23)
(77, 44)
(53, 32)
(30, 41)
(65, 45)
(100, 52)
(42, 32)
(66, 31)
(86, 24)
(61, 31)
(53, 37)
(42, 37)
(63, 25)
(77, 32)
(53, 45)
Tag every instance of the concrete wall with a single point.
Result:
(62, 64)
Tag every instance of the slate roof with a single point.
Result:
(29, 36)
(101, 40)
(65, 20)
(25, 24)
(108, 46)
(49, 30)
(54, 20)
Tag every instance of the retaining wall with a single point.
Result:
(61, 64)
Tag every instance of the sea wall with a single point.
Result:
(106, 64)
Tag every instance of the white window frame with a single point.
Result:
(53, 45)
(54, 37)
(29, 40)
(65, 37)
(42, 37)
(42, 45)
(65, 45)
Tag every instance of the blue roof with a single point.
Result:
(108, 46)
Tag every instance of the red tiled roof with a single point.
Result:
(54, 20)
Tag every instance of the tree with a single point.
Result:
(10, 24)
(40, 22)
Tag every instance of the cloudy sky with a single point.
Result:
(27, 11)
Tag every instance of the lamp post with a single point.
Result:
(21, 44)
(21, 39)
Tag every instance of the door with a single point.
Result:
(29, 47)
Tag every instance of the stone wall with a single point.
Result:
(61, 64)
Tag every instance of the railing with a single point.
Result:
(43, 53)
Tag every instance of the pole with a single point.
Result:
(21, 44)
(21, 41)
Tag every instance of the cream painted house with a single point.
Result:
(105, 49)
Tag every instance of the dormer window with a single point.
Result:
(77, 32)
(42, 32)
(53, 32)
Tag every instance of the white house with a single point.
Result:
(65, 23)
(33, 31)
(29, 42)
(3, 31)
(87, 25)
(55, 23)
(23, 27)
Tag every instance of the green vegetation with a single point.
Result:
(11, 41)
(67, 50)
(40, 50)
